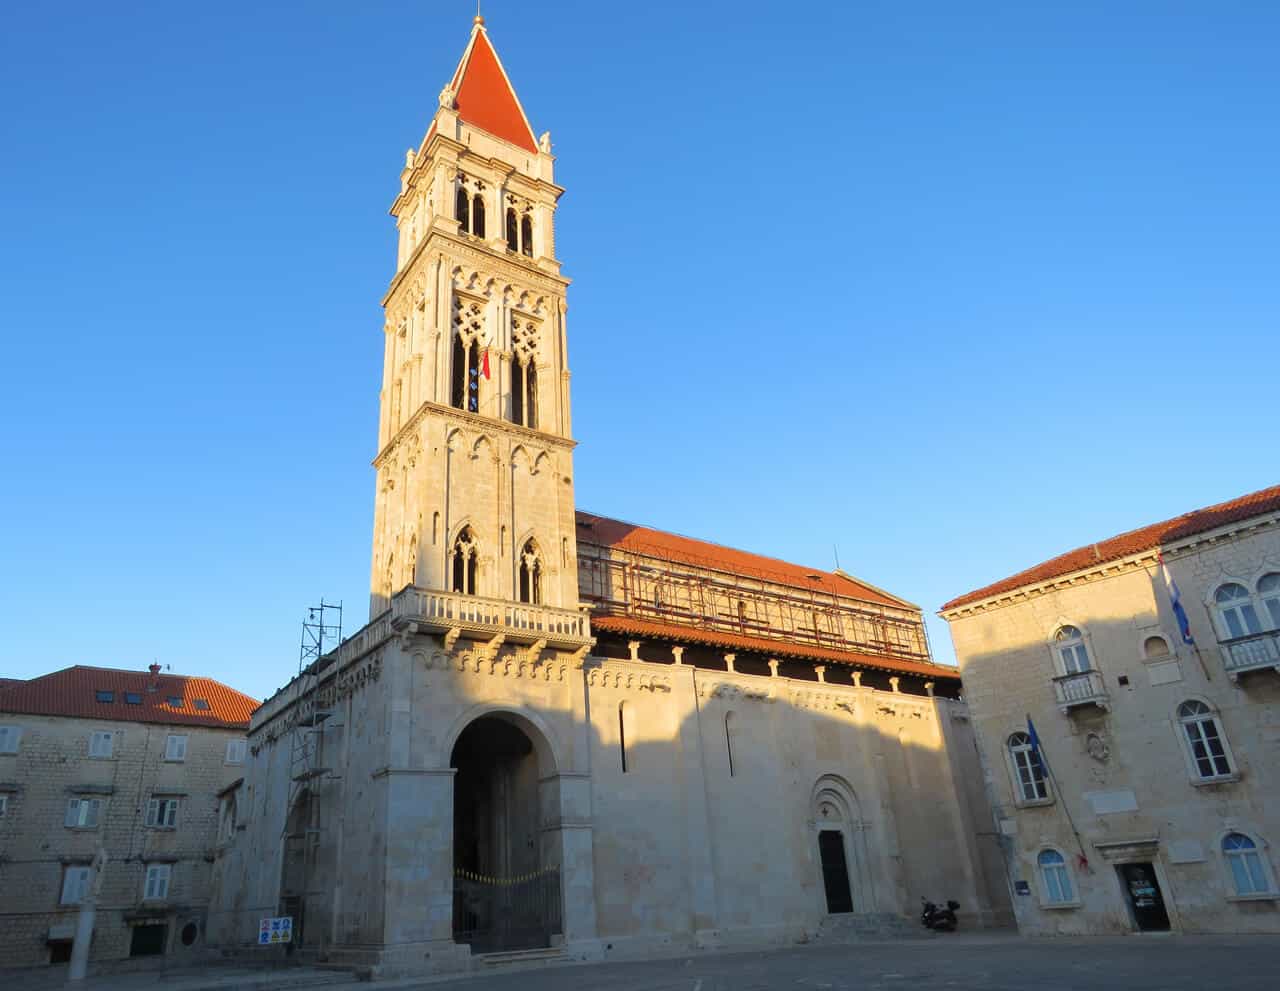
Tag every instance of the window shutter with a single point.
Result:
(153, 811)
(73, 816)
(91, 815)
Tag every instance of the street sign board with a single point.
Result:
(277, 930)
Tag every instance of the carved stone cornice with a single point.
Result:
(485, 424)
(460, 247)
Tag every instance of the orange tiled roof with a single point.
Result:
(602, 530)
(1135, 541)
(774, 648)
(73, 692)
(484, 98)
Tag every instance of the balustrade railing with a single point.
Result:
(1251, 653)
(472, 612)
(1081, 688)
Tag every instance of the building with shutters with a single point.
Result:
(561, 733)
(1150, 803)
(135, 764)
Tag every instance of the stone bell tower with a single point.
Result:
(475, 457)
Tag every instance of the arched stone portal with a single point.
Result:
(300, 838)
(842, 847)
(507, 886)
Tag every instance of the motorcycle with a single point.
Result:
(941, 920)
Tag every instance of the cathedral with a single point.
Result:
(560, 734)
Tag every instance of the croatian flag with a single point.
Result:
(1035, 740)
(1179, 613)
(485, 365)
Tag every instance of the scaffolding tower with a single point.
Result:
(309, 770)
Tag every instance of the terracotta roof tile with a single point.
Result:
(484, 97)
(608, 532)
(73, 692)
(1135, 541)
(773, 648)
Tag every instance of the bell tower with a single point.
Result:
(475, 456)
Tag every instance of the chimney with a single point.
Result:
(154, 668)
(154, 684)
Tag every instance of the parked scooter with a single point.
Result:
(941, 920)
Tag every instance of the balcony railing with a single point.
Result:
(1082, 688)
(483, 619)
(1252, 653)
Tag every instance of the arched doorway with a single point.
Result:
(506, 878)
(299, 858)
(842, 853)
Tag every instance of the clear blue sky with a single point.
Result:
(954, 287)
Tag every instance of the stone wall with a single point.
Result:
(1124, 773)
(52, 767)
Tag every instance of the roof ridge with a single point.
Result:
(1169, 527)
(713, 543)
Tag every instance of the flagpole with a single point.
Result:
(1053, 780)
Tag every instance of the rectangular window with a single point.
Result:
(175, 701)
(1057, 883)
(175, 748)
(75, 885)
(162, 813)
(157, 884)
(236, 751)
(9, 736)
(132, 698)
(1206, 748)
(101, 743)
(4, 806)
(1031, 776)
(200, 704)
(103, 696)
(82, 813)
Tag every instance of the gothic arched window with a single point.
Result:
(1029, 777)
(530, 573)
(464, 390)
(462, 209)
(526, 235)
(465, 566)
(477, 215)
(513, 230)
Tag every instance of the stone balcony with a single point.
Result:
(420, 610)
(1084, 688)
(1256, 652)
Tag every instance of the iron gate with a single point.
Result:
(506, 913)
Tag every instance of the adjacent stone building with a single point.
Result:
(1153, 799)
(128, 762)
(563, 731)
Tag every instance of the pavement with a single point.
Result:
(959, 962)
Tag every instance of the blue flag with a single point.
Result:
(1180, 614)
(1035, 739)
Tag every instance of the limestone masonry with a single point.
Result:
(561, 730)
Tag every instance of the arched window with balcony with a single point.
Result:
(530, 573)
(1210, 758)
(1269, 594)
(1237, 614)
(465, 564)
(1072, 654)
(1029, 779)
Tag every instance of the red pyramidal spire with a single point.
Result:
(484, 96)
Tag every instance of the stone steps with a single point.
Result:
(514, 958)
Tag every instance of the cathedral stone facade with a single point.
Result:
(558, 732)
